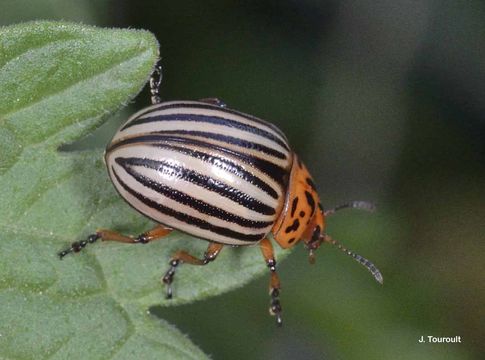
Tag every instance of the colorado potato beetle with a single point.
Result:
(220, 175)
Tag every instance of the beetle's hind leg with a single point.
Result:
(184, 257)
(274, 284)
(108, 235)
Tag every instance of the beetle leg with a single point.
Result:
(156, 233)
(109, 235)
(182, 256)
(274, 284)
(214, 101)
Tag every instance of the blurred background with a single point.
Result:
(384, 101)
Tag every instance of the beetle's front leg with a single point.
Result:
(108, 235)
(274, 284)
(182, 256)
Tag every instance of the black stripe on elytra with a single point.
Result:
(215, 120)
(190, 220)
(274, 171)
(227, 139)
(204, 106)
(259, 121)
(185, 199)
(214, 160)
(311, 202)
(201, 180)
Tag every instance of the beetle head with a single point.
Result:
(303, 218)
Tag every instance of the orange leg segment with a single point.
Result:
(109, 235)
(184, 257)
(274, 284)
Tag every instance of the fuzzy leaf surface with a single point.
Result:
(59, 81)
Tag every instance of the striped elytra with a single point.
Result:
(206, 170)
(220, 175)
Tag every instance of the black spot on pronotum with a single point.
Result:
(316, 233)
(302, 214)
(291, 241)
(311, 202)
(310, 182)
(293, 227)
(293, 206)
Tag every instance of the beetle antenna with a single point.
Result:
(360, 259)
(155, 81)
(361, 205)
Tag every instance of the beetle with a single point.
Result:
(220, 175)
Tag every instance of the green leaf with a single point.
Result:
(59, 81)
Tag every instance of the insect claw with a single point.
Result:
(311, 257)
(168, 277)
(275, 307)
(169, 292)
(63, 253)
